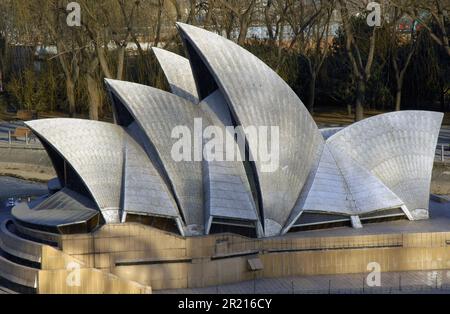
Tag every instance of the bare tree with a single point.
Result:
(316, 50)
(243, 11)
(426, 13)
(4, 11)
(395, 43)
(108, 23)
(52, 14)
(49, 26)
(361, 69)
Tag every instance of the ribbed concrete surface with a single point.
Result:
(366, 191)
(259, 97)
(59, 209)
(396, 147)
(330, 191)
(178, 72)
(143, 189)
(227, 189)
(95, 150)
(158, 113)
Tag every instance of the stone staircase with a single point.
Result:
(31, 262)
(20, 260)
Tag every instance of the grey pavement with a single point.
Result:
(391, 283)
(12, 187)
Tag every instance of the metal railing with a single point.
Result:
(258, 286)
(27, 138)
(441, 152)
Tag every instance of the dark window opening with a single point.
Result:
(161, 223)
(121, 114)
(252, 176)
(218, 226)
(68, 177)
(325, 225)
(383, 219)
(206, 84)
(378, 214)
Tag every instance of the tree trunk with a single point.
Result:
(398, 99)
(103, 61)
(349, 110)
(120, 62)
(3, 47)
(243, 30)
(157, 37)
(269, 22)
(312, 93)
(1, 79)
(70, 90)
(360, 99)
(398, 94)
(94, 97)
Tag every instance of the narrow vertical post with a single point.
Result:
(442, 153)
(9, 137)
(364, 285)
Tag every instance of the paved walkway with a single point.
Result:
(393, 282)
(13, 187)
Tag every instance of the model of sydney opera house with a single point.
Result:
(379, 168)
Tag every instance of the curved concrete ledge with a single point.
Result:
(18, 274)
(19, 247)
(43, 236)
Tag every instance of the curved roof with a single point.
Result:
(228, 190)
(366, 191)
(112, 166)
(95, 150)
(329, 191)
(62, 208)
(257, 96)
(143, 189)
(158, 113)
(398, 148)
(178, 73)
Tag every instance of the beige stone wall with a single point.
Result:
(53, 259)
(53, 278)
(92, 281)
(175, 262)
